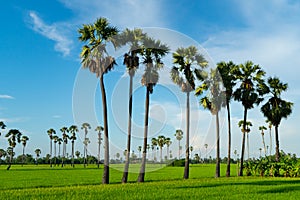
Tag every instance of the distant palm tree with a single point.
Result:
(131, 60)
(2, 154)
(152, 53)
(51, 132)
(99, 129)
(154, 145)
(24, 140)
(206, 145)
(2, 126)
(246, 131)
(179, 136)
(77, 154)
(139, 149)
(13, 137)
(262, 128)
(73, 130)
(65, 137)
(85, 126)
(228, 79)
(168, 143)
(55, 140)
(191, 150)
(161, 141)
(95, 57)
(275, 109)
(260, 152)
(270, 132)
(249, 93)
(37, 153)
(59, 140)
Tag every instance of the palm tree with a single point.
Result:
(139, 149)
(77, 154)
(85, 126)
(246, 131)
(152, 53)
(73, 130)
(154, 145)
(55, 140)
(133, 38)
(161, 141)
(262, 128)
(59, 140)
(13, 136)
(276, 108)
(191, 150)
(168, 143)
(270, 132)
(2, 126)
(95, 57)
(213, 101)
(228, 79)
(86, 143)
(179, 136)
(65, 137)
(260, 152)
(206, 145)
(37, 153)
(99, 129)
(51, 132)
(24, 140)
(184, 76)
(2, 154)
(248, 93)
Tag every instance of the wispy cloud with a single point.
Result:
(5, 96)
(14, 120)
(52, 32)
(56, 116)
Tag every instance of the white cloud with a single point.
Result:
(56, 116)
(52, 32)
(5, 96)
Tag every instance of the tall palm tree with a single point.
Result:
(179, 136)
(24, 140)
(168, 143)
(73, 130)
(275, 109)
(65, 137)
(99, 129)
(55, 140)
(152, 53)
(37, 153)
(249, 93)
(161, 141)
(133, 38)
(85, 126)
(246, 131)
(51, 132)
(13, 136)
(184, 76)
(213, 101)
(228, 79)
(262, 128)
(95, 57)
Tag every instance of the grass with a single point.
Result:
(43, 182)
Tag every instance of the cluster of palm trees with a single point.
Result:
(244, 83)
(14, 136)
(69, 134)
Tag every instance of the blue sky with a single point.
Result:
(40, 74)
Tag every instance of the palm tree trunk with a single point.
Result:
(55, 153)
(141, 177)
(50, 158)
(243, 143)
(229, 141)
(161, 160)
(63, 156)
(73, 153)
(277, 144)
(248, 147)
(105, 179)
(23, 156)
(265, 150)
(10, 159)
(187, 145)
(218, 147)
(270, 141)
(99, 148)
(84, 149)
(178, 149)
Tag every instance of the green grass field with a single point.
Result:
(43, 182)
